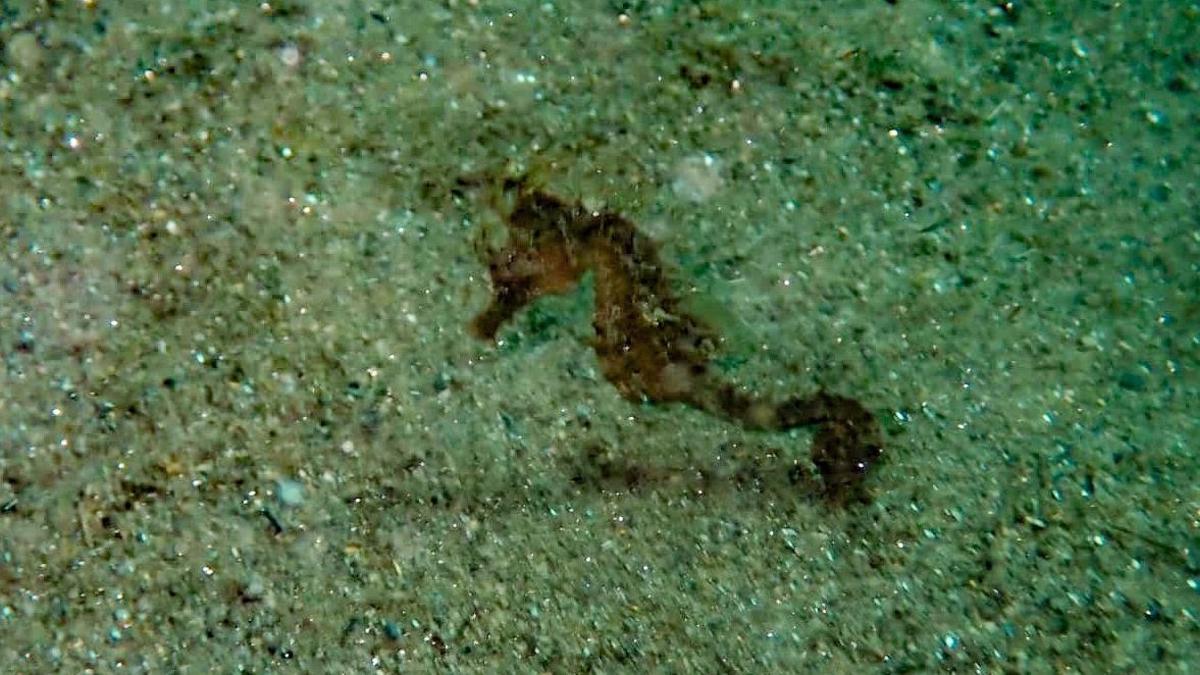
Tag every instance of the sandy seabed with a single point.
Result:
(244, 427)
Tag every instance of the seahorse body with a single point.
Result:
(647, 346)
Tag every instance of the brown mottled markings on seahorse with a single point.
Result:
(648, 347)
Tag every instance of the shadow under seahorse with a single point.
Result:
(648, 347)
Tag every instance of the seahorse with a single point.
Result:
(647, 345)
